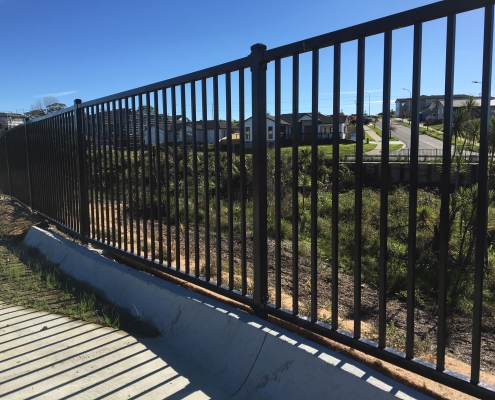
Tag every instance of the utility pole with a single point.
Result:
(410, 103)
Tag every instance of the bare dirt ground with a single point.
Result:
(459, 341)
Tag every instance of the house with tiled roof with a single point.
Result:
(433, 104)
(438, 107)
(304, 128)
(210, 131)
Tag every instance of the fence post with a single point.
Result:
(260, 246)
(81, 170)
(28, 163)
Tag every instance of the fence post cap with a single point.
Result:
(77, 101)
(261, 46)
(26, 119)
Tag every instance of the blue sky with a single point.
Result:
(92, 49)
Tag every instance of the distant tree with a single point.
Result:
(392, 113)
(48, 101)
(145, 109)
(430, 121)
(375, 120)
(392, 128)
(44, 106)
(55, 107)
(35, 113)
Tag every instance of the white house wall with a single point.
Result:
(161, 136)
(249, 124)
(306, 120)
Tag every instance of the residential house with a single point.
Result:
(8, 120)
(210, 131)
(305, 126)
(270, 129)
(432, 104)
(438, 107)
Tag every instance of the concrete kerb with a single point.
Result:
(246, 356)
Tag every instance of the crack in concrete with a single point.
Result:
(252, 366)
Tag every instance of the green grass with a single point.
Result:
(327, 150)
(27, 279)
(439, 136)
(378, 131)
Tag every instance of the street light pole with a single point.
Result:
(410, 102)
(369, 105)
(478, 82)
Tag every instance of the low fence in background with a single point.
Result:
(204, 215)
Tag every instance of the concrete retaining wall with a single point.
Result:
(429, 174)
(246, 356)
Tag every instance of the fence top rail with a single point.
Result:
(179, 80)
(15, 128)
(407, 18)
(65, 110)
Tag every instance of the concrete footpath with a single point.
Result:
(378, 140)
(206, 349)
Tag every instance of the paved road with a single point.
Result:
(404, 134)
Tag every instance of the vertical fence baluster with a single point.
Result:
(260, 260)
(278, 197)
(104, 118)
(136, 176)
(482, 204)
(63, 161)
(176, 179)
(158, 170)
(218, 216)
(230, 150)
(72, 135)
(204, 106)
(81, 169)
(128, 128)
(314, 184)
(9, 162)
(143, 179)
(195, 179)
(122, 172)
(185, 176)
(150, 172)
(385, 175)
(295, 184)
(358, 197)
(413, 190)
(445, 193)
(101, 172)
(111, 152)
(335, 184)
(28, 160)
(242, 162)
(167, 179)
(116, 152)
(90, 167)
(94, 159)
(58, 157)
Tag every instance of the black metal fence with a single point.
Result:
(238, 223)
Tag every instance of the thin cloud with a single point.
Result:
(59, 94)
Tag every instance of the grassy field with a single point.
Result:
(378, 131)
(327, 150)
(29, 280)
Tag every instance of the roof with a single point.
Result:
(323, 119)
(210, 125)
